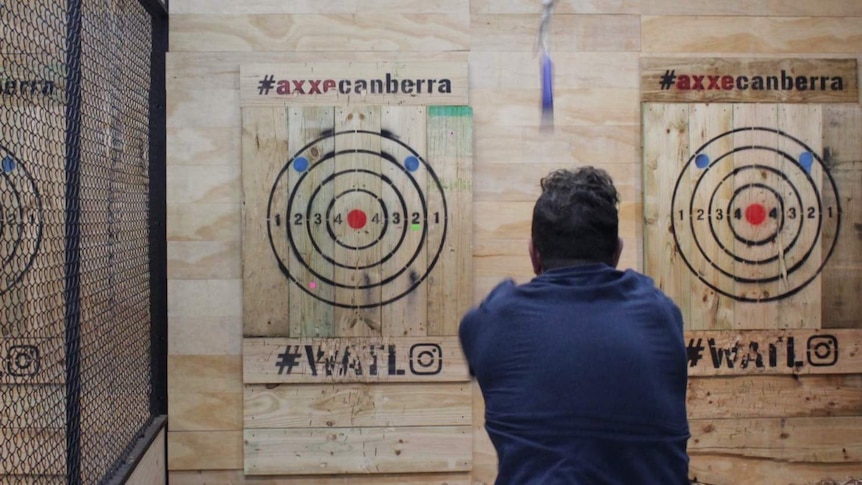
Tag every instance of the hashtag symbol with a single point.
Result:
(265, 85)
(288, 359)
(695, 352)
(668, 80)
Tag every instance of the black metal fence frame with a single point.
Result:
(157, 243)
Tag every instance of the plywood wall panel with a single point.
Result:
(563, 7)
(718, 470)
(358, 450)
(202, 145)
(514, 33)
(236, 477)
(203, 222)
(204, 392)
(220, 70)
(349, 406)
(597, 144)
(816, 441)
(203, 107)
(317, 7)
(788, 396)
(205, 450)
(280, 32)
(204, 260)
(589, 106)
(506, 69)
(521, 181)
(765, 35)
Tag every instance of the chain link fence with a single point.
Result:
(79, 369)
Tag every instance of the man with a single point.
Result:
(583, 369)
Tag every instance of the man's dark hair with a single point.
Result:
(575, 219)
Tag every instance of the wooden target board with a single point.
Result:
(356, 272)
(742, 212)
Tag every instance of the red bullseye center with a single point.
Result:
(755, 214)
(357, 219)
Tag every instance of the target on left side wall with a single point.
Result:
(20, 220)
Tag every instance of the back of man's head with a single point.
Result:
(575, 219)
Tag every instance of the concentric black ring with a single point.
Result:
(20, 212)
(422, 212)
(796, 196)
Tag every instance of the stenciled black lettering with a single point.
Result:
(445, 86)
(376, 86)
(753, 354)
(838, 84)
(344, 86)
(312, 363)
(360, 86)
(720, 355)
(393, 363)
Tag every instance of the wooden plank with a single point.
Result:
(514, 70)
(204, 222)
(754, 314)
(520, 181)
(341, 83)
(283, 32)
(203, 108)
(323, 361)
(221, 70)
(353, 406)
(803, 309)
(360, 294)
(842, 275)
(774, 352)
(588, 7)
(666, 149)
(205, 450)
(775, 8)
(203, 145)
(759, 396)
(720, 469)
(204, 260)
(309, 315)
(749, 80)
(711, 310)
(203, 184)
(205, 392)
(357, 450)
(815, 441)
(192, 302)
(750, 35)
(450, 148)
(572, 107)
(211, 7)
(582, 33)
(407, 314)
(266, 299)
(237, 477)
(596, 144)
(151, 469)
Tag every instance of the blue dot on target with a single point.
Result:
(8, 164)
(411, 163)
(807, 161)
(300, 164)
(702, 160)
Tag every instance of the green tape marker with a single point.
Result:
(450, 111)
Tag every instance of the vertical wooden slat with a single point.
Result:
(264, 152)
(710, 310)
(310, 313)
(842, 278)
(450, 150)
(758, 314)
(356, 151)
(406, 315)
(666, 150)
(804, 122)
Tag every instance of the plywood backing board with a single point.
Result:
(370, 221)
(738, 227)
(357, 242)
